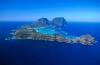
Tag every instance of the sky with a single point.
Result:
(30, 10)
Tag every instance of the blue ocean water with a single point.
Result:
(46, 30)
(29, 52)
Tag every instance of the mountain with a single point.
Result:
(44, 21)
(59, 21)
(41, 22)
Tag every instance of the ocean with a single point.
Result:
(29, 52)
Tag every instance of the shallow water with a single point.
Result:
(46, 30)
(52, 30)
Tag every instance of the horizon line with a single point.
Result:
(35, 20)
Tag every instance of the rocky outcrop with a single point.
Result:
(86, 39)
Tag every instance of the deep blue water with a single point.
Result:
(29, 52)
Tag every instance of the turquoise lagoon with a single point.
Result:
(52, 30)
(46, 30)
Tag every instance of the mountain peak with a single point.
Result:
(59, 21)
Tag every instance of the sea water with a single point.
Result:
(29, 52)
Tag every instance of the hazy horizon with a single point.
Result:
(71, 10)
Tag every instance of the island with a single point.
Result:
(43, 29)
